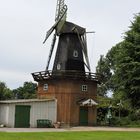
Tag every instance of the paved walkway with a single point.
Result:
(67, 129)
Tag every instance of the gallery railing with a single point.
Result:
(71, 74)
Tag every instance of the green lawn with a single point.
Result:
(95, 135)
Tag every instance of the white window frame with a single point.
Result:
(45, 87)
(84, 88)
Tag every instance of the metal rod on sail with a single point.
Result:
(90, 32)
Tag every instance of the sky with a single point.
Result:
(23, 25)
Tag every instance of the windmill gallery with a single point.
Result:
(70, 83)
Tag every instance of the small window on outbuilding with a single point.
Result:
(84, 88)
(45, 87)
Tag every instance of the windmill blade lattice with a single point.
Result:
(51, 51)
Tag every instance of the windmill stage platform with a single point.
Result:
(71, 74)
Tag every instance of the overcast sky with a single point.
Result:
(23, 24)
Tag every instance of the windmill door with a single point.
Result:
(83, 116)
(22, 116)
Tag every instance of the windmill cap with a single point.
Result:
(69, 27)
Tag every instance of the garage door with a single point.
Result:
(22, 116)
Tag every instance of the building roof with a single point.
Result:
(88, 102)
(25, 101)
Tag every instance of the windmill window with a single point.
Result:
(75, 53)
(84, 88)
(58, 66)
(45, 87)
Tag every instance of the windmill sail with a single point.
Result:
(85, 50)
(49, 32)
(58, 24)
(59, 7)
(51, 51)
(60, 19)
(82, 39)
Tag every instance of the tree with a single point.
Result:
(129, 64)
(104, 70)
(28, 91)
(121, 67)
(5, 93)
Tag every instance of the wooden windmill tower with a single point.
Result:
(68, 82)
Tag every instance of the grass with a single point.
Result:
(95, 135)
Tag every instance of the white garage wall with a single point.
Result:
(39, 110)
(11, 115)
(4, 113)
(42, 110)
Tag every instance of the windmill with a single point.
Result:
(68, 82)
(72, 46)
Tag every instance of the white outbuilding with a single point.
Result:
(27, 113)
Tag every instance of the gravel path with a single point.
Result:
(67, 129)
